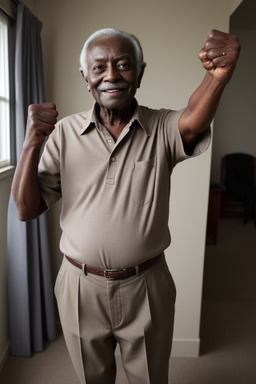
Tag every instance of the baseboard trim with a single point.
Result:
(4, 356)
(185, 347)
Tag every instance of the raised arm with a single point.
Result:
(219, 57)
(25, 188)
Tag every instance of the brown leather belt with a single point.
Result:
(115, 274)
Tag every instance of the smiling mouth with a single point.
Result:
(113, 90)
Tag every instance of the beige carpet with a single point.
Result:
(228, 325)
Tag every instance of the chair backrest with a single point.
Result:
(244, 167)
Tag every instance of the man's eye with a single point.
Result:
(98, 68)
(123, 66)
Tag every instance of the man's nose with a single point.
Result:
(111, 74)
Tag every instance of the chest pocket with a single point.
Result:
(143, 181)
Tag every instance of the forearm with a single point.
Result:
(219, 56)
(25, 186)
(201, 108)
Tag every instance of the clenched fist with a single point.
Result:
(40, 123)
(220, 54)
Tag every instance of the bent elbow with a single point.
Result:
(25, 214)
(25, 217)
(29, 208)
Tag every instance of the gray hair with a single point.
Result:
(110, 32)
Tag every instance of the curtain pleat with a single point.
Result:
(31, 301)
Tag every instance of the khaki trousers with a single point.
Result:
(137, 313)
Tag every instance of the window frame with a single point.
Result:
(11, 31)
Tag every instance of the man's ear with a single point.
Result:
(143, 66)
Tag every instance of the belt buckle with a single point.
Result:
(106, 271)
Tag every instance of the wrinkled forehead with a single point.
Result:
(110, 47)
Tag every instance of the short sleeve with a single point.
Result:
(174, 139)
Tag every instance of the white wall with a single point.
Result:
(235, 121)
(171, 32)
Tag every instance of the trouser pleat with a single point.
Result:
(69, 308)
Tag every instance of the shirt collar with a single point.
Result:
(139, 117)
(91, 119)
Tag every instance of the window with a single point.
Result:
(4, 94)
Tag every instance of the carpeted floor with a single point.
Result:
(228, 325)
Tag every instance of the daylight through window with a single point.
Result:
(4, 95)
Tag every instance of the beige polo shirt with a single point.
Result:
(115, 195)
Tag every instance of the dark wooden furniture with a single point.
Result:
(230, 205)
(214, 210)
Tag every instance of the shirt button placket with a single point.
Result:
(110, 142)
(112, 168)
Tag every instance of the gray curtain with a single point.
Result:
(31, 302)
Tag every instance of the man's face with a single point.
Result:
(112, 74)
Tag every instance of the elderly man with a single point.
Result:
(111, 166)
